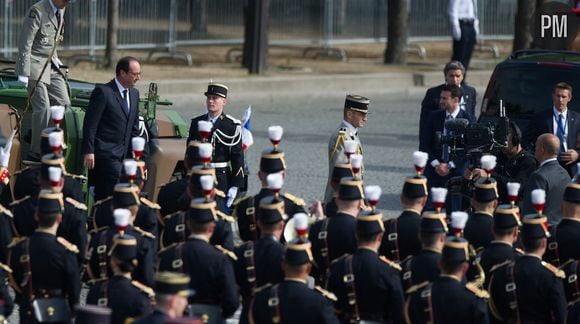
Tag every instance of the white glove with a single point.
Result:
(4, 156)
(456, 33)
(58, 62)
(23, 79)
(231, 196)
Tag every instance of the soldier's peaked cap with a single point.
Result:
(505, 217)
(124, 247)
(340, 171)
(535, 227)
(202, 211)
(172, 283)
(50, 202)
(455, 250)
(298, 252)
(485, 190)
(217, 89)
(572, 193)
(270, 210)
(125, 195)
(415, 187)
(272, 162)
(357, 103)
(369, 223)
(433, 223)
(350, 189)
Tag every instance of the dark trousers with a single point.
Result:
(104, 177)
(222, 175)
(463, 48)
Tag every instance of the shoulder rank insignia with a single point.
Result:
(557, 272)
(149, 203)
(143, 288)
(417, 287)
(294, 199)
(17, 241)
(16, 202)
(67, 245)
(499, 265)
(326, 293)
(5, 268)
(144, 233)
(476, 291)
(226, 217)
(226, 252)
(76, 204)
(4, 210)
(390, 263)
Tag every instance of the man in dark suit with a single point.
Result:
(441, 165)
(549, 176)
(560, 121)
(110, 122)
(454, 73)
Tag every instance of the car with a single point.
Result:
(167, 146)
(524, 83)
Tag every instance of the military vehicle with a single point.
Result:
(166, 129)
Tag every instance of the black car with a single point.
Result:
(524, 82)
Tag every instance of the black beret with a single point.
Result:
(433, 223)
(217, 89)
(415, 187)
(272, 161)
(485, 190)
(506, 216)
(50, 202)
(357, 103)
(535, 227)
(172, 283)
(455, 250)
(350, 189)
(572, 193)
(271, 210)
(202, 211)
(124, 247)
(125, 195)
(341, 171)
(369, 223)
(298, 252)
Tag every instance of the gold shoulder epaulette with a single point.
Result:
(219, 193)
(520, 251)
(144, 233)
(499, 265)
(416, 287)
(257, 290)
(16, 202)
(339, 258)
(326, 293)
(226, 217)
(226, 252)
(19, 171)
(4, 210)
(77, 176)
(17, 241)
(149, 203)
(98, 202)
(5, 268)
(557, 272)
(236, 121)
(391, 264)
(296, 200)
(148, 290)
(76, 204)
(239, 200)
(67, 245)
(476, 291)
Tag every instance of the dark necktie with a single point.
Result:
(560, 132)
(57, 14)
(125, 104)
(445, 148)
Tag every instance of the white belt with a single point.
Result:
(219, 165)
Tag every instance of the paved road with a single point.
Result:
(389, 138)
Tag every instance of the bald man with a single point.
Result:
(550, 176)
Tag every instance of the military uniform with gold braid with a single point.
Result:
(292, 301)
(567, 232)
(226, 138)
(368, 286)
(448, 299)
(529, 289)
(127, 298)
(100, 243)
(344, 132)
(209, 267)
(478, 228)
(45, 276)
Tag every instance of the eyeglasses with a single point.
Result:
(134, 74)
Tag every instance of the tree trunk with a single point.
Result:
(523, 24)
(112, 29)
(397, 32)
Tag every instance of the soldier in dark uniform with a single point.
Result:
(572, 290)
(171, 293)
(292, 301)
(333, 237)
(174, 225)
(260, 262)
(478, 230)
(126, 198)
(209, 267)
(44, 265)
(448, 299)
(340, 171)
(226, 138)
(528, 289)
(567, 232)
(506, 224)
(271, 161)
(74, 218)
(6, 300)
(424, 267)
(127, 298)
(401, 237)
(368, 286)
(6, 231)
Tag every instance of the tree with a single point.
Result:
(523, 25)
(112, 28)
(397, 32)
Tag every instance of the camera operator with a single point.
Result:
(514, 164)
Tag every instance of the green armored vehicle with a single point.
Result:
(167, 144)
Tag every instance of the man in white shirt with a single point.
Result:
(465, 28)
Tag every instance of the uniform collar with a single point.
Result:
(366, 248)
(300, 280)
(346, 213)
(54, 8)
(348, 125)
(501, 242)
(199, 237)
(450, 277)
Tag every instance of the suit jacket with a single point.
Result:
(40, 31)
(431, 103)
(543, 122)
(336, 152)
(553, 178)
(108, 128)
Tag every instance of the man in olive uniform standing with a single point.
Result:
(226, 139)
(38, 66)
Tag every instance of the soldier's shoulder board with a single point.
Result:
(226, 217)
(519, 251)
(102, 201)
(5, 268)
(149, 203)
(257, 290)
(17, 241)
(235, 121)
(499, 265)
(296, 200)
(6, 211)
(144, 233)
(239, 200)
(77, 204)
(390, 263)
(557, 272)
(477, 291)
(219, 193)
(21, 200)
(342, 130)
(326, 293)
(226, 252)
(148, 290)
(417, 287)
(67, 245)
